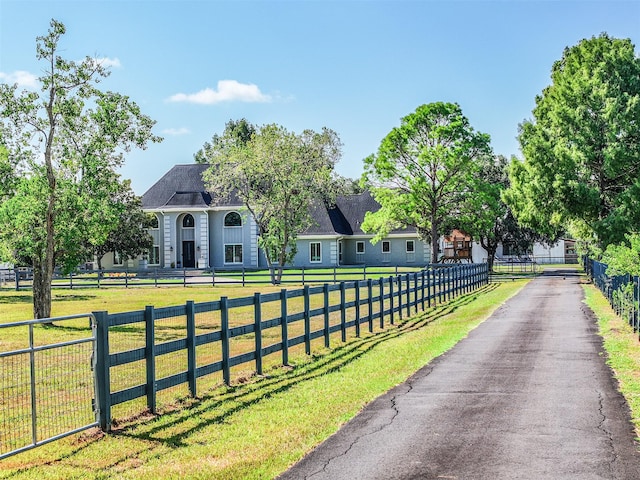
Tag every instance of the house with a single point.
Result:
(194, 229)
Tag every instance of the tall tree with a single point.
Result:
(582, 148)
(423, 172)
(237, 133)
(489, 220)
(278, 175)
(129, 236)
(59, 140)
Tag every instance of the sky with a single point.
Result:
(354, 66)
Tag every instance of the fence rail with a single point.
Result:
(22, 278)
(622, 291)
(51, 390)
(178, 345)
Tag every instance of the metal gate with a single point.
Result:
(47, 386)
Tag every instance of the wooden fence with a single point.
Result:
(622, 291)
(142, 352)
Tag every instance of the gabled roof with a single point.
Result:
(182, 187)
(346, 216)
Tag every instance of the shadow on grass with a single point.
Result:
(240, 397)
(236, 398)
(16, 299)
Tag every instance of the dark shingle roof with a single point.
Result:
(346, 216)
(182, 187)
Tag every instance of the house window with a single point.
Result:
(411, 249)
(187, 221)
(154, 255)
(233, 254)
(154, 231)
(386, 246)
(359, 247)
(233, 219)
(117, 259)
(315, 250)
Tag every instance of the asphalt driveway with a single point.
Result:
(527, 395)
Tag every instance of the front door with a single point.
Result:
(188, 254)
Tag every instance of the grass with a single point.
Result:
(16, 306)
(621, 344)
(255, 430)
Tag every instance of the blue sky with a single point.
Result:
(354, 66)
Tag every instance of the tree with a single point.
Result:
(423, 172)
(130, 235)
(60, 141)
(488, 219)
(278, 175)
(582, 148)
(236, 134)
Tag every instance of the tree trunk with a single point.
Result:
(435, 242)
(491, 249)
(41, 290)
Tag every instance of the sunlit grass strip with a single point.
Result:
(255, 430)
(621, 344)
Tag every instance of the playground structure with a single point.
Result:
(457, 248)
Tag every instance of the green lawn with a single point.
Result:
(621, 344)
(256, 428)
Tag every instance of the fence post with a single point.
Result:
(150, 356)
(307, 321)
(370, 303)
(408, 295)
(257, 316)
(381, 284)
(101, 370)
(325, 292)
(191, 347)
(356, 286)
(224, 330)
(429, 288)
(391, 306)
(16, 277)
(343, 312)
(284, 327)
(399, 280)
(422, 289)
(415, 292)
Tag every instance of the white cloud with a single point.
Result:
(228, 91)
(109, 62)
(22, 78)
(176, 131)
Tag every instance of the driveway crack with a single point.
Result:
(404, 389)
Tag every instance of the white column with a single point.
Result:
(203, 258)
(167, 236)
(253, 241)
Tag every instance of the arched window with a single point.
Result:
(187, 221)
(232, 219)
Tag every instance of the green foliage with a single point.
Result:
(58, 180)
(623, 258)
(582, 155)
(278, 175)
(488, 219)
(424, 171)
(236, 134)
